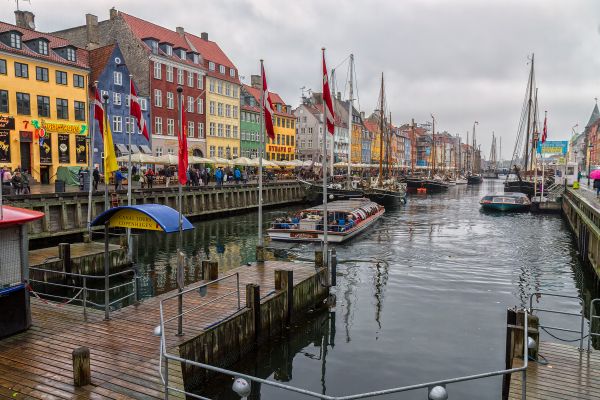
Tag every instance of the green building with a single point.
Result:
(249, 130)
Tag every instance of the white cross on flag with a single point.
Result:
(135, 110)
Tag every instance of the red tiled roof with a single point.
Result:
(211, 51)
(372, 126)
(251, 108)
(54, 42)
(275, 99)
(98, 59)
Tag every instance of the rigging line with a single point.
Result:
(519, 139)
(356, 88)
(343, 61)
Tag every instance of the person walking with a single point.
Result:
(219, 176)
(17, 182)
(118, 180)
(96, 176)
(597, 187)
(150, 177)
(237, 175)
(26, 188)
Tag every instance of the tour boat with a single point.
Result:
(346, 219)
(511, 201)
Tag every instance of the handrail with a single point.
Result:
(165, 357)
(593, 316)
(582, 314)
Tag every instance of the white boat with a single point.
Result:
(347, 218)
(461, 181)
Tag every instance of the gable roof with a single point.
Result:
(594, 117)
(54, 42)
(211, 51)
(275, 99)
(98, 60)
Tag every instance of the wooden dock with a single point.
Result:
(569, 375)
(37, 364)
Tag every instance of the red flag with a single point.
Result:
(135, 110)
(99, 111)
(183, 149)
(267, 106)
(328, 106)
(545, 131)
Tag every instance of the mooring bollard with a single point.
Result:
(260, 254)
(319, 258)
(82, 373)
(210, 270)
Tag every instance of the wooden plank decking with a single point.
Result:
(568, 375)
(37, 363)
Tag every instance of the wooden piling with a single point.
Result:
(260, 254)
(284, 280)
(64, 253)
(318, 258)
(253, 303)
(210, 270)
(82, 373)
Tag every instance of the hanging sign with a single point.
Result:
(63, 149)
(128, 218)
(59, 127)
(80, 150)
(7, 122)
(553, 147)
(46, 150)
(4, 146)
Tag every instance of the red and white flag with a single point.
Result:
(183, 147)
(99, 110)
(328, 106)
(135, 110)
(545, 131)
(267, 106)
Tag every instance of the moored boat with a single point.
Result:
(511, 201)
(346, 219)
(474, 179)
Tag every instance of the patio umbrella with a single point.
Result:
(198, 160)
(221, 160)
(244, 161)
(167, 159)
(138, 158)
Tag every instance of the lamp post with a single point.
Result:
(589, 162)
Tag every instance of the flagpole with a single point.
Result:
(106, 178)
(106, 238)
(350, 119)
(180, 282)
(324, 171)
(92, 124)
(260, 162)
(129, 174)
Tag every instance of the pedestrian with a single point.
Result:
(150, 177)
(219, 176)
(579, 176)
(118, 180)
(96, 175)
(25, 177)
(17, 182)
(237, 175)
(597, 187)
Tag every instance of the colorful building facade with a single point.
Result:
(43, 101)
(249, 131)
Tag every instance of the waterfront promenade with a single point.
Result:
(37, 363)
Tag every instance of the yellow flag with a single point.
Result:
(110, 158)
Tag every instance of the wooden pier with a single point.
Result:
(124, 352)
(568, 375)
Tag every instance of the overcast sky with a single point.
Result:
(462, 60)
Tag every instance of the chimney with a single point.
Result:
(180, 30)
(255, 81)
(113, 13)
(91, 28)
(25, 19)
(204, 36)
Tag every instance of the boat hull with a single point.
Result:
(506, 207)
(474, 180)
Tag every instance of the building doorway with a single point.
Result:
(45, 174)
(26, 156)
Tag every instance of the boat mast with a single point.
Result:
(467, 155)
(534, 137)
(381, 133)
(390, 160)
(333, 103)
(413, 152)
(529, 106)
(350, 109)
(473, 169)
(433, 146)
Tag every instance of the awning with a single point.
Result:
(135, 149)
(122, 148)
(146, 149)
(162, 218)
(18, 216)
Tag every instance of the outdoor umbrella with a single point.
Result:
(198, 160)
(167, 159)
(221, 160)
(595, 174)
(138, 158)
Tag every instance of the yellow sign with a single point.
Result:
(133, 219)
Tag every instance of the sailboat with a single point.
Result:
(473, 177)
(492, 170)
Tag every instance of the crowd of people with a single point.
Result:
(17, 181)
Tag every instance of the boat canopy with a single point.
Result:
(346, 206)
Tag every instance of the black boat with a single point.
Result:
(474, 179)
(432, 185)
(314, 192)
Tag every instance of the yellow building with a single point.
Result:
(43, 101)
(356, 147)
(283, 147)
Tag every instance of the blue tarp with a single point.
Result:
(166, 217)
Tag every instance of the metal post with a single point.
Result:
(180, 237)
(92, 124)
(84, 301)
(129, 178)
(237, 278)
(136, 295)
(166, 374)
(260, 159)
(106, 273)
(324, 167)
(350, 109)
(106, 178)
(582, 325)
(333, 267)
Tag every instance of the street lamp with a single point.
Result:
(589, 160)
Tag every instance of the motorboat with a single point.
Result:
(508, 201)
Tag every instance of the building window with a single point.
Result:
(41, 74)
(62, 108)
(154, 47)
(170, 101)
(143, 104)
(158, 125)
(43, 106)
(212, 108)
(159, 151)
(4, 101)
(220, 130)
(222, 69)
(220, 109)
(227, 110)
(61, 78)
(212, 151)
(200, 106)
(71, 54)
(190, 131)
(220, 151)
(200, 130)
(169, 74)
(211, 66)
(78, 81)
(169, 50)
(118, 78)
(227, 130)
(190, 79)
(157, 70)
(211, 131)
(170, 126)
(235, 131)
(21, 70)
(43, 47)
(179, 76)
(235, 152)
(190, 106)
(129, 125)
(232, 73)
(15, 40)
(219, 87)
(310, 143)
(227, 89)
(199, 82)
(2, 67)
(235, 111)
(79, 107)
(157, 98)
(211, 85)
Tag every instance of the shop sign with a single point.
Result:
(279, 149)
(133, 219)
(59, 127)
(80, 150)
(26, 136)
(63, 149)
(553, 147)
(7, 123)
(46, 149)
(4, 146)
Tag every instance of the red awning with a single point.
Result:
(18, 216)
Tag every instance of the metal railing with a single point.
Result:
(556, 328)
(593, 316)
(84, 289)
(439, 385)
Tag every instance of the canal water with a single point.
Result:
(422, 296)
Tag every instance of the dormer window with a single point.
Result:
(169, 50)
(196, 59)
(43, 47)
(232, 73)
(15, 40)
(222, 69)
(182, 54)
(71, 54)
(211, 66)
(154, 47)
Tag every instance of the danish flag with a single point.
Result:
(267, 106)
(99, 111)
(135, 110)
(328, 104)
